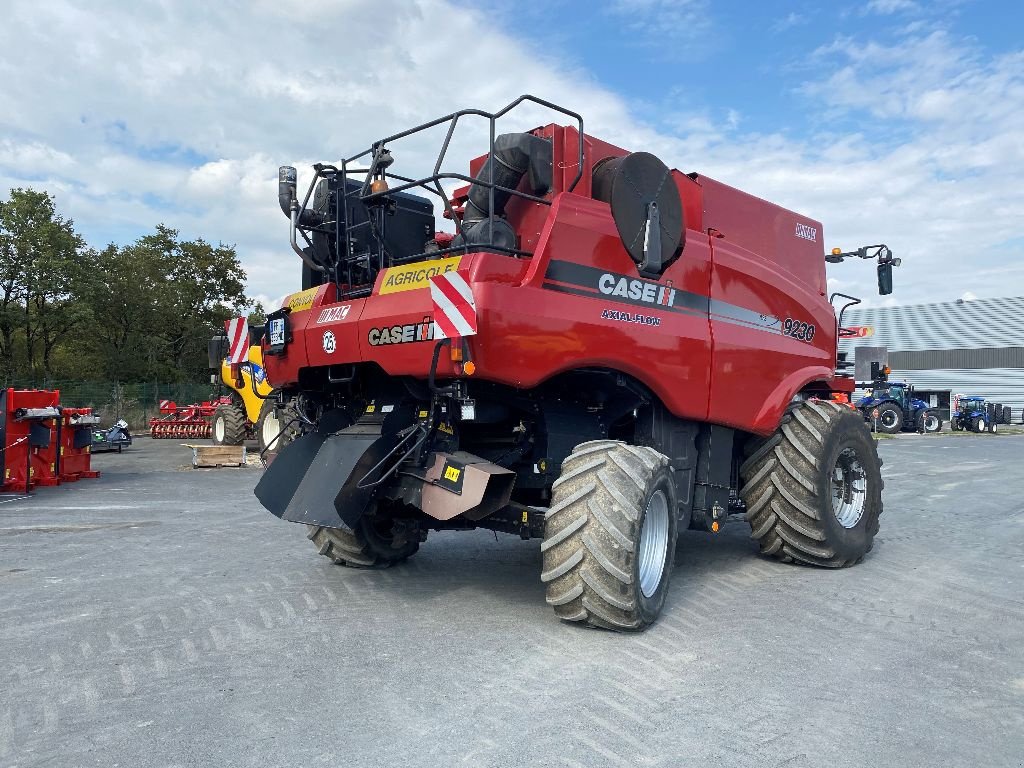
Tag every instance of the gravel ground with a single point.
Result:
(158, 617)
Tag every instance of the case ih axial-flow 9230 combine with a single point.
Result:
(604, 353)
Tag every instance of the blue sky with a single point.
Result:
(888, 120)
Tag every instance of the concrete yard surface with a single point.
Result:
(159, 616)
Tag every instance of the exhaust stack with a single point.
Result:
(287, 179)
(515, 155)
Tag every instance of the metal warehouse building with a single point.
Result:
(961, 347)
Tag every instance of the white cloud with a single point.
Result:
(886, 7)
(945, 184)
(27, 158)
(790, 20)
(182, 112)
(675, 28)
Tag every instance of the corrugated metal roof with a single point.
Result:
(946, 325)
(930, 359)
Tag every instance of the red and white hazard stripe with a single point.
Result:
(454, 306)
(238, 339)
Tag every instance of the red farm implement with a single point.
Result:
(43, 443)
(185, 421)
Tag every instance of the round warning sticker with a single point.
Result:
(330, 344)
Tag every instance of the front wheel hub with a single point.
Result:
(849, 488)
(653, 551)
(271, 428)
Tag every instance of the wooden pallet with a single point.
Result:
(213, 456)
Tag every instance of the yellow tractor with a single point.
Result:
(252, 412)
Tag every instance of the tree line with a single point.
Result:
(134, 312)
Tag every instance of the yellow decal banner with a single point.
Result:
(301, 300)
(411, 276)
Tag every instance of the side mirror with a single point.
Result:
(217, 350)
(885, 279)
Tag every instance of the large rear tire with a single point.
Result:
(610, 536)
(890, 418)
(228, 425)
(373, 543)
(813, 490)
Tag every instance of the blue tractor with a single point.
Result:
(972, 414)
(897, 408)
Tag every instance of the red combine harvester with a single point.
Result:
(185, 421)
(604, 353)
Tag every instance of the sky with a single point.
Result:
(890, 121)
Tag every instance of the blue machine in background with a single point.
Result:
(897, 408)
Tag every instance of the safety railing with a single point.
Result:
(378, 156)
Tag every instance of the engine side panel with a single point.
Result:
(772, 335)
(583, 304)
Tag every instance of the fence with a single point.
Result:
(136, 402)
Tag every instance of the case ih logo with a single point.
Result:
(638, 290)
(806, 232)
(402, 334)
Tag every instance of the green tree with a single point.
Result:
(257, 315)
(125, 300)
(209, 288)
(129, 313)
(43, 274)
(158, 301)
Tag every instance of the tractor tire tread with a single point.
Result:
(781, 487)
(350, 548)
(590, 528)
(234, 424)
(896, 428)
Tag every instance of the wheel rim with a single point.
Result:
(931, 424)
(888, 419)
(653, 550)
(218, 429)
(271, 429)
(849, 488)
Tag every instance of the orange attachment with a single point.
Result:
(469, 368)
(456, 354)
